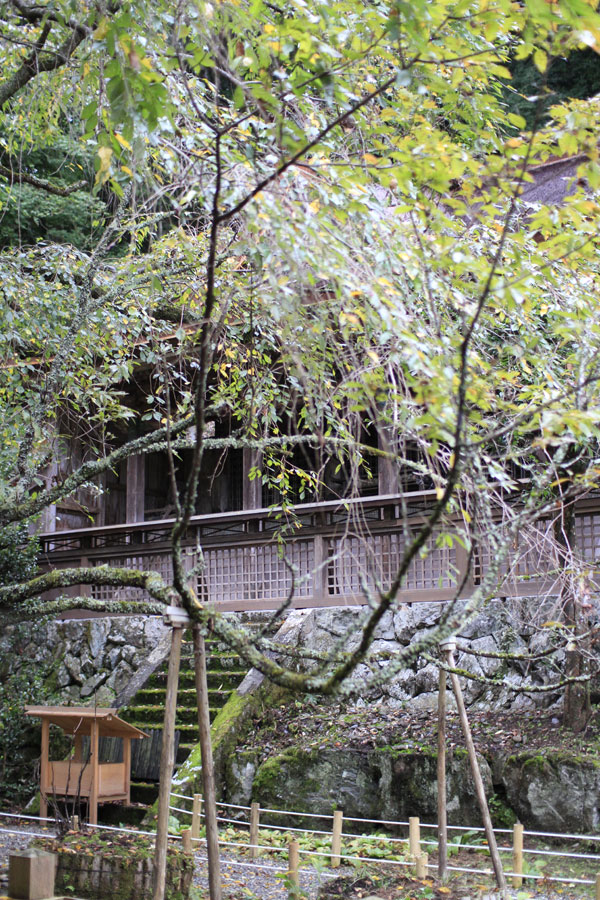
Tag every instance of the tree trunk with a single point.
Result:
(576, 708)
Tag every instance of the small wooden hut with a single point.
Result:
(87, 778)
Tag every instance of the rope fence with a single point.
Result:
(417, 859)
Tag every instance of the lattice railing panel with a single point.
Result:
(587, 533)
(153, 562)
(376, 560)
(256, 573)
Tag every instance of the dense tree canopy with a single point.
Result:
(304, 218)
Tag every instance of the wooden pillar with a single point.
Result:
(167, 763)
(135, 488)
(387, 466)
(251, 490)
(93, 808)
(208, 775)
(44, 768)
(127, 769)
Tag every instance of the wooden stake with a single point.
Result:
(598, 887)
(208, 775)
(293, 865)
(421, 865)
(167, 763)
(414, 836)
(254, 822)
(517, 856)
(196, 816)
(441, 779)
(336, 838)
(477, 779)
(186, 840)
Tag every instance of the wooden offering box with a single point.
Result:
(87, 778)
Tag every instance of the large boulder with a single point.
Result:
(553, 790)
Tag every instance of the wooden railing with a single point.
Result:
(328, 552)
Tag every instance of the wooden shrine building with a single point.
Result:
(86, 777)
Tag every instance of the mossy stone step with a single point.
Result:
(186, 697)
(144, 792)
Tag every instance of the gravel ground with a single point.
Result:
(244, 879)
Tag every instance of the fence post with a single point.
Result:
(196, 814)
(254, 821)
(336, 838)
(517, 880)
(293, 863)
(598, 887)
(421, 865)
(186, 839)
(75, 823)
(414, 836)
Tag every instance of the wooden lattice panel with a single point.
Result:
(255, 573)
(153, 562)
(376, 560)
(587, 531)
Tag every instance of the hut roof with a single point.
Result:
(78, 720)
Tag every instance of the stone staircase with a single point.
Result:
(225, 671)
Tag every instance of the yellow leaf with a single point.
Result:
(369, 158)
(121, 140)
(101, 30)
(105, 156)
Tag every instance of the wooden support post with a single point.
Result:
(477, 779)
(421, 865)
(186, 840)
(441, 777)
(196, 816)
(517, 880)
(167, 762)
(127, 769)
(75, 823)
(293, 866)
(93, 802)
(254, 823)
(78, 750)
(414, 836)
(208, 775)
(135, 488)
(44, 768)
(336, 838)
(598, 887)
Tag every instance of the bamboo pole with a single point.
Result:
(414, 836)
(167, 763)
(477, 779)
(421, 865)
(208, 775)
(293, 866)
(336, 838)
(441, 777)
(517, 856)
(196, 816)
(254, 823)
